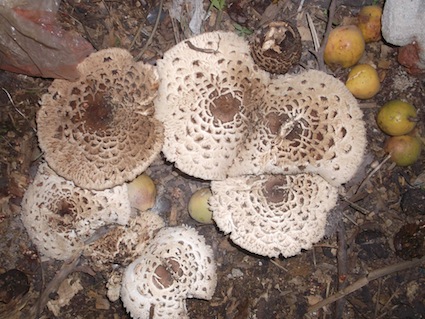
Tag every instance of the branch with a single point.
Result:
(375, 274)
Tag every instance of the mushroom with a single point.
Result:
(209, 88)
(59, 216)
(177, 264)
(276, 46)
(307, 123)
(100, 131)
(120, 246)
(271, 215)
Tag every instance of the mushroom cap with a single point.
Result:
(177, 264)
(209, 88)
(276, 46)
(124, 243)
(307, 123)
(271, 215)
(100, 131)
(60, 216)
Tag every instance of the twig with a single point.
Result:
(372, 172)
(342, 267)
(319, 53)
(17, 110)
(375, 274)
(155, 27)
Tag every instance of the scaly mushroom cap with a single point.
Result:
(177, 264)
(120, 246)
(276, 47)
(307, 123)
(100, 131)
(209, 88)
(271, 215)
(60, 216)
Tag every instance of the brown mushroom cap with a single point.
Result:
(177, 264)
(276, 46)
(100, 131)
(60, 217)
(209, 88)
(307, 123)
(271, 215)
(120, 246)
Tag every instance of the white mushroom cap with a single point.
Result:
(307, 123)
(60, 216)
(209, 88)
(99, 131)
(177, 264)
(271, 215)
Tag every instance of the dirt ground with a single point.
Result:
(359, 250)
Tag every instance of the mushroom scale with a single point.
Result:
(209, 88)
(309, 123)
(272, 215)
(177, 264)
(59, 216)
(100, 131)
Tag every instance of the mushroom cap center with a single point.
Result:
(276, 189)
(99, 112)
(224, 107)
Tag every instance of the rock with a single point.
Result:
(402, 25)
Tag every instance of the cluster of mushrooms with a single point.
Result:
(276, 148)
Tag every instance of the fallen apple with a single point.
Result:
(404, 149)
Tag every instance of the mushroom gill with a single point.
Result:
(208, 91)
(272, 215)
(100, 131)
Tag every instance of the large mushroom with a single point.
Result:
(177, 264)
(60, 217)
(209, 88)
(273, 215)
(307, 123)
(100, 131)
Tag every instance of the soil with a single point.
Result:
(382, 228)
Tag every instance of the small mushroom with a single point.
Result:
(59, 216)
(100, 131)
(209, 88)
(113, 252)
(271, 215)
(177, 264)
(308, 123)
(276, 46)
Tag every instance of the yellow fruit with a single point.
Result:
(396, 118)
(404, 149)
(345, 46)
(142, 192)
(369, 23)
(363, 81)
(198, 206)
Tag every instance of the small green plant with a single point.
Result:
(217, 4)
(242, 31)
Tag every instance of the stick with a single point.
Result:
(375, 274)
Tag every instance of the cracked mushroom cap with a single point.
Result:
(177, 264)
(272, 215)
(100, 131)
(120, 246)
(308, 123)
(60, 217)
(209, 88)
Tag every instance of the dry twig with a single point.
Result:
(375, 274)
